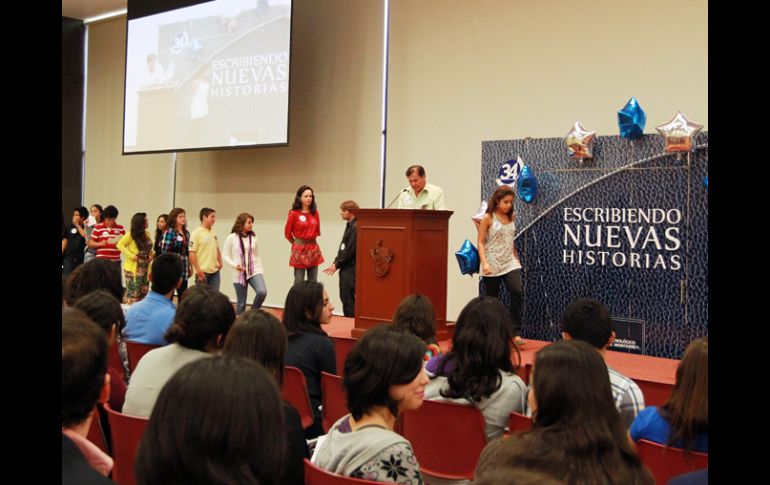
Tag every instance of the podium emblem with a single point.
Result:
(382, 258)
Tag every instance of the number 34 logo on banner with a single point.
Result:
(509, 172)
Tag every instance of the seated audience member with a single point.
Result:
(308, 307)
(148, 319)
(415, 314)
(260, 336)
(200, 326)
(577, 435)
(104, 310)
(384, 376)
(218, 421)
(478, 370)
(683, 421)
(93, 275)
(84, 383)
(589, 320)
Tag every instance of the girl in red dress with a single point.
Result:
(303, 226)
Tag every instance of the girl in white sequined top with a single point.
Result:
(497, 252)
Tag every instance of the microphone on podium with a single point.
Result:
(397, 196)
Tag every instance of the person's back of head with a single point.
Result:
(166, 273)
(96, 274)
(587, 319)
(259, 336)
(481, 348)
(687, 409)
(217, 420)
(302, 311)
(203, 315)
(383, 357)
(510, 475)
(577, 434)
(102, 307)
(415, 314)
(84, 365)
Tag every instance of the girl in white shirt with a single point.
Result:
(241, 253)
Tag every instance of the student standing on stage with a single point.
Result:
(106, 235)
(205, 257)
(498, 256)
(242, 254)
(74, 241)
(303, 226)
(176, 239)
(346, 259)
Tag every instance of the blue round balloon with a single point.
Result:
(468, 258)
(706, 181)
(631, 120)
(526, 185)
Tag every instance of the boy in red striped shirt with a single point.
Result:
(106, 235)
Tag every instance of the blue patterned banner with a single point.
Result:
(628, 227)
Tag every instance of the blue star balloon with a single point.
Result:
(526, 185)
(468, 258)
(631, 120)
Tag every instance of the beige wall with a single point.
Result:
(460, 72)
(463, 72)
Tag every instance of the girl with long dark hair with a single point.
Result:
(176, 239)
(303, 226)
(577, 435)
(242, 254)
(683, 420)
(478, 370)
(308, 307)
(160, 226)
(136, 245)
(497, 252)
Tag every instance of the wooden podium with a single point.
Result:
(400, 252)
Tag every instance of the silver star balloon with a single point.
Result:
(580, 142)
(679, 133)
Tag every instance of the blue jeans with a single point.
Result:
(258, 283)
(212, 279)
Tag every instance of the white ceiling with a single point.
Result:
(83, 9)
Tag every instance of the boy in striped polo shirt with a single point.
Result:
(106, 235)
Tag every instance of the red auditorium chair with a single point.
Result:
(447, 438)
(519, 422)
(665, 462)
(334, 400)
(127, 432)
(342, 347)
(135, 352)
(96, 433)
(295, 391)
(319, 476)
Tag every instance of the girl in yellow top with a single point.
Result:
(137, 246)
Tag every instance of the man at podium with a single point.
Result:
(421, 195)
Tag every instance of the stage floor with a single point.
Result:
(637, 367)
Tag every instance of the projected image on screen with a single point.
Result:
(212, 75)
